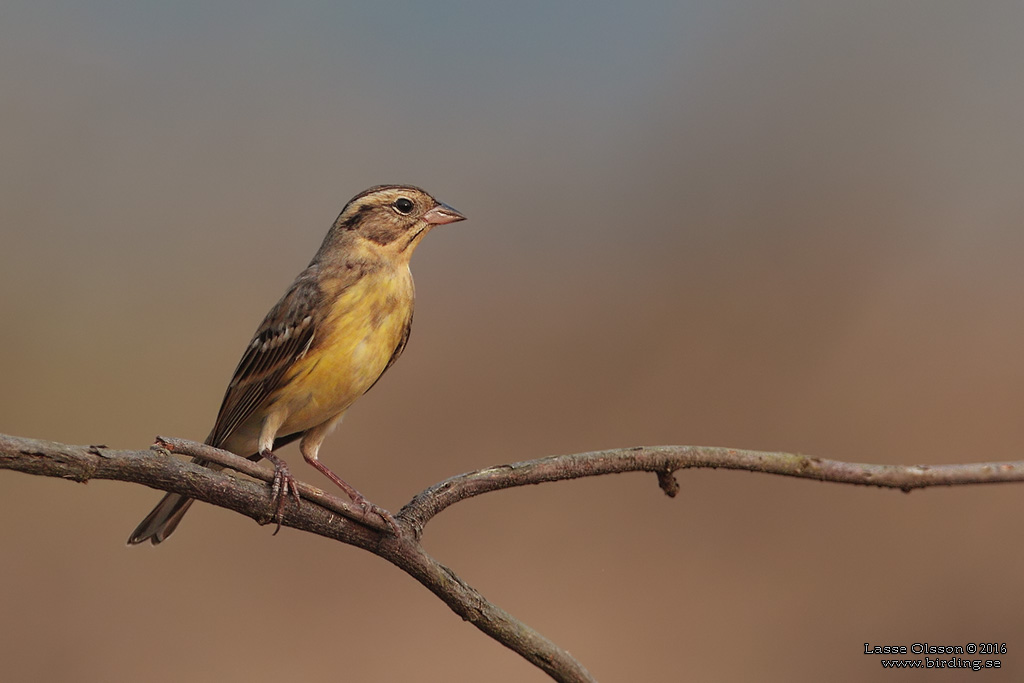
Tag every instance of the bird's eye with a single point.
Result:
(403, 206)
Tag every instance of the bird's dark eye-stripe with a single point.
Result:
(403, 206)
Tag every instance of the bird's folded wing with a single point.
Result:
(282, 338)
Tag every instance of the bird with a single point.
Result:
(341, 325)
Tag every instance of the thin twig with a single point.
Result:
(664, 461)
(251, 468)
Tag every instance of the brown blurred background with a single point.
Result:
(792, 226)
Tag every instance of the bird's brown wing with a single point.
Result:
(282, 338)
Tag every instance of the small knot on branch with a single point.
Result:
(161, 446)
(668, 483)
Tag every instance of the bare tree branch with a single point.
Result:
(328, 516)
(156, 469)
(664, 461)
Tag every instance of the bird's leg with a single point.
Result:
(358, 499)
(284, 483)
(310, 446)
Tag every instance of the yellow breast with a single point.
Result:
(350, 349)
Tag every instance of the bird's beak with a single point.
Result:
(441, 214)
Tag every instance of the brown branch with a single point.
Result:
(250, 468)
(331, 517)
(664, 461)
(156, 469)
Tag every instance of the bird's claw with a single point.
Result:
(369, 508)
(284, 484)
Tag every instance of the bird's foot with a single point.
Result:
(360, 501)
(283, 485)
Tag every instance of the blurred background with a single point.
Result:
(779, 226)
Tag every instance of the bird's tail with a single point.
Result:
(162, 521)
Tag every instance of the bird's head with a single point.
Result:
(389, 220)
